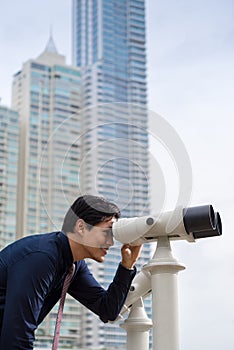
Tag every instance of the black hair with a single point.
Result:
(92, 209)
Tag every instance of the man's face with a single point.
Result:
(98, 239)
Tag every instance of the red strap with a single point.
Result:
(60, 309)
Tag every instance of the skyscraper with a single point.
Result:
(109, 47)
(9, 135)
(46, 94)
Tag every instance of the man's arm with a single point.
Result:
(105, 303)
(27, 284)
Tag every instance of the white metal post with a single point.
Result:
(164, 268)
(137, 326)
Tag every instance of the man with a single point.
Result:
(33, 269)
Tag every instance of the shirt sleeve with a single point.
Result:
(27, 284)
(105, 303)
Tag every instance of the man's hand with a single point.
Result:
(130, 255)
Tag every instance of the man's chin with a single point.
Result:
(100, 259)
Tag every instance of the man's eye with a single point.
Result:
(109, 232)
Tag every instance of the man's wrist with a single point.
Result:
(126, 266)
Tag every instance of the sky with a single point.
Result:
(190, 55)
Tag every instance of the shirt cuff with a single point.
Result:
(125, 275)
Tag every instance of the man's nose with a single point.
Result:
(110, 240)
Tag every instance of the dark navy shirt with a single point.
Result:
(32, 272)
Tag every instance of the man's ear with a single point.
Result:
(80, 226)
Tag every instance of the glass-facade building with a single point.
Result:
(46, 94)
(110, 49)
(9, 135)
